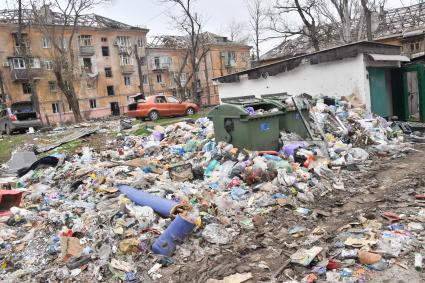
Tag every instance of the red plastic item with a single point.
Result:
(391, 216)
(67, 233)
(332, 264)
(8, 199)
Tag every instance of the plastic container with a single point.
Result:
(174, 235)
(162, 206)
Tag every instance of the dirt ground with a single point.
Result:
(385, 185)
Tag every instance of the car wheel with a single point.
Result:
(154, 115)
(190, 111)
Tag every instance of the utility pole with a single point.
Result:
(139, 70)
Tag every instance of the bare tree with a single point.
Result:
(61, 28)
(236, 32)
(190, 22)
(344, 16)
(257, 22)
(368, 16)
(308, 14)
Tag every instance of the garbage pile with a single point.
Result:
(151, 202)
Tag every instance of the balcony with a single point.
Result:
(87, 50)
(22, 50)
(26, 74)
(161, 67)
(127, 69)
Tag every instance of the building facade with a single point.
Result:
(168, 64)
(106, 69)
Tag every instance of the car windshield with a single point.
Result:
(172, 99)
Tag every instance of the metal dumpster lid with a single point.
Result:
(249, 99)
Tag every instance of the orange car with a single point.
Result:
(160, 106)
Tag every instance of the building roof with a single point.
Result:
(182, 42)
(327, 55)
(401, 21)
(10, 16)
(405, 21)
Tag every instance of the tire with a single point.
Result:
(154, 115)
(190, 111)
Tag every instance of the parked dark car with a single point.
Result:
(19, 117)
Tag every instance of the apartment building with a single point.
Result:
(106, 51)
(167, 63)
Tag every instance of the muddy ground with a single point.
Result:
(386, 184)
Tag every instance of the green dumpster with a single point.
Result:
(291, 120)
(234, 124)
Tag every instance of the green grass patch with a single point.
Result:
(142, 131)
(8, 143)
(168, 121)
(70, 147)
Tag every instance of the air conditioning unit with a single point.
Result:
(163, 84)
(6, 64)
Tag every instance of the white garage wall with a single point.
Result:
(336, 78)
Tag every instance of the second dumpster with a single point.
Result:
(292, 119)
(247, 122)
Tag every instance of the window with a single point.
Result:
(140, 42)
(123, 41)
(26, 88)
(108, 72)
(145, 79)
(52, 86)
(64, 43)
(156, 61)
(171, 99)
(49, 65)
(104, 39)
(159, 78)
(34, 63)
(92, 103)
(55, 107)
(127, 80)
(87, 65)
(18, 63)
(85, 40)
(110, 90)
(142, 61)
(105, 51)
(125, 60)
(183, 77)
(160, 99)
(46, 42)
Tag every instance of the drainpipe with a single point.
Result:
(207, 80)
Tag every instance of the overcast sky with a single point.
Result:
(153, 14)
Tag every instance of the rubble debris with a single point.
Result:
(74, 136)
(178, 204)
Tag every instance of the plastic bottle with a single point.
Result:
(418, 262)
(210, 168)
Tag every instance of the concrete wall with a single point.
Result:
(336, 78)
